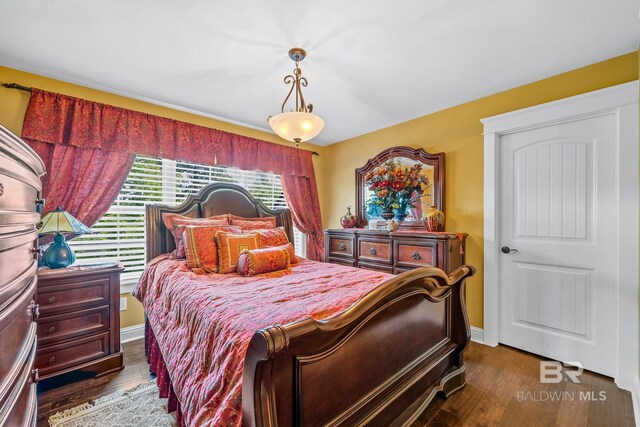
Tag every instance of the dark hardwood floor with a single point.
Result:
(503, 389)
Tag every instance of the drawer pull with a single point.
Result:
(416, 255)
(35, 376)
(35, 310)
(1, 189)
(342, 246)
(40, 204)
(51, 329)
(52, 360)
(372, 251)
(51, 300)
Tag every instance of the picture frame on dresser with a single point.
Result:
(433, 169)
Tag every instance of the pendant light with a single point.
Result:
(300, 124)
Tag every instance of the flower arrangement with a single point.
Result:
(395, 187)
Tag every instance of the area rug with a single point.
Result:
(140, 406)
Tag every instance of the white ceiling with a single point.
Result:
(371, 63)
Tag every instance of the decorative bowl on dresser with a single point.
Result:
(395, 252)
(79, 324)
(20, 207)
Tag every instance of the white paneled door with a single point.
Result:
(557, 228)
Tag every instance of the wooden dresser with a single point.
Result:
(79, 324)
(20, 186)
(394, 252)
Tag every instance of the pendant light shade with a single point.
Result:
(300, 124)
(296, 126)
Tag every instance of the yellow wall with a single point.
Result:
(13, 105)
(457, 131)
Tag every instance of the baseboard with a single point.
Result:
(132, 333)
(477, 334)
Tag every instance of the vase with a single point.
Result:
(387, 215)
(400, 214)
(434, 219)
(348, 220)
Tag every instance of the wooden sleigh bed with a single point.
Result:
(380, 362)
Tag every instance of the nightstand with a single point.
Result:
(79, 323)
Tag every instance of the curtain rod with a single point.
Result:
(28, 89)
(16, 86)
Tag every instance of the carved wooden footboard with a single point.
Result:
(378, 363)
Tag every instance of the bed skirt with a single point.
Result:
(158, 368)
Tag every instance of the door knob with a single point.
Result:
(507, 249)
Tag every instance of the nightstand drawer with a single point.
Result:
(73, 353)
(72, 325)
(72, 296)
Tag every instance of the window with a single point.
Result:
(120, 232)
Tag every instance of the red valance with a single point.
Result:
(60, 119)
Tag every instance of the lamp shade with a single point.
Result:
(296, 126)
(61, 221)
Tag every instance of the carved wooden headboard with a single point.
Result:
(212, 199)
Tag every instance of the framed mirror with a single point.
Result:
(430, 192)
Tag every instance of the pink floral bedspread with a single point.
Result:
(203, 323)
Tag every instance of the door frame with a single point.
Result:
(622, 102)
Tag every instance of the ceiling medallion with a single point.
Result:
(300, 124)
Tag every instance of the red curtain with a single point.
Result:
(112, 136)
(84, 182)
(301, 194)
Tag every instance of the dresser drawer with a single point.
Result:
(376, 267)
(412, 255)
(72, 295)
(16, 262)
(17, 195)
(72, 325)
(374, 250)
(341, 246)
(17, 333)
(72, 353)
(342, 261)
(21, 411)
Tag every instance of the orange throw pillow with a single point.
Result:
(265, 260)
(229, 247)
(272, 236)
(170, 219)
(182, 224)
(200, 248)
(270, 219)
(174, 221)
